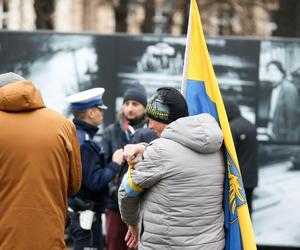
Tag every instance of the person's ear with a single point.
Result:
(121, 111)
(90, 113)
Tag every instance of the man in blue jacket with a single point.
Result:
(87, 108)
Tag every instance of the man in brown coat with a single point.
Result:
(39, 167)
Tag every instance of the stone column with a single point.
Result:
(28, 15)
(68, 15)
(105, 21)
(21, 15)
(14, 15)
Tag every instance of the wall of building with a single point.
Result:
(226, 17)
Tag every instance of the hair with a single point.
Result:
(231, 107)
(79, 113)
(278, 65)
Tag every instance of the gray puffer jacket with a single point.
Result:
(182, 175)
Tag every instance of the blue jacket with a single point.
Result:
(96, 174)
(116, 136)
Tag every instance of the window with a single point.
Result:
(3, 14)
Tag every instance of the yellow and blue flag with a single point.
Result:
(202, 93)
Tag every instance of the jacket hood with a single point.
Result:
(20, 96)
(200, 133)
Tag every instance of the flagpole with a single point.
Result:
(186, 58)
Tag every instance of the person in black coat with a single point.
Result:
(244, 137)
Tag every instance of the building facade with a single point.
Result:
(219, 17)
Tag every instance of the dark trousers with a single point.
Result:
(86, 239)
(116, 231)
(249, 196)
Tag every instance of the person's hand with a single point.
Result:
(132, 236)
(133, 152)
(118, 156)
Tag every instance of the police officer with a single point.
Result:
(87, 108)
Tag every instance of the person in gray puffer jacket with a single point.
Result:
(175, 191)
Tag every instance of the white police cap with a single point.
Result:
(87, 99)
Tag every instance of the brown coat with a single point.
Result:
(39, 167)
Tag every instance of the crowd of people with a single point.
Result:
(158, 173)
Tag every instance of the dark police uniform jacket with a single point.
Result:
(96, 174)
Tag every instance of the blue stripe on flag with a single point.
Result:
(240, 193)
(197, 99)
(233, 236)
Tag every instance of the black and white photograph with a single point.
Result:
(150, 60)
(275, 206)
(235, 66)
(158, 61)
(58, 64)
(278, 103)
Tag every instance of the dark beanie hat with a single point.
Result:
(136, 92)
(167, 105)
